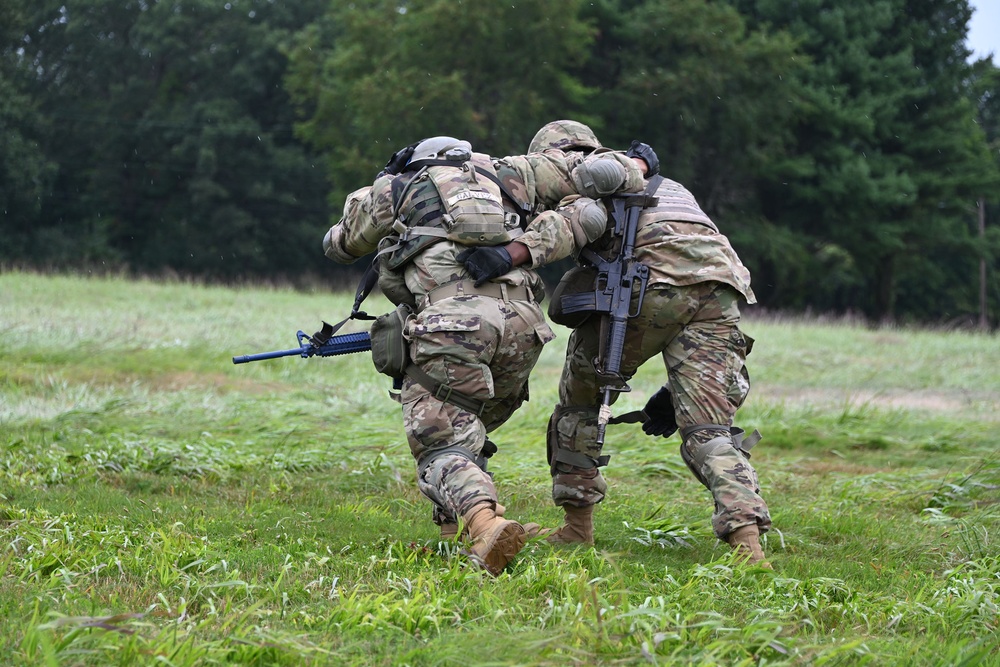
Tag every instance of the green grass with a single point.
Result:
(160, 505)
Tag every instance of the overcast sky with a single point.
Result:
(984, 29)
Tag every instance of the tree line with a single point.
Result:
(845, 146)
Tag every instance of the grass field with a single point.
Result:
(160, 505)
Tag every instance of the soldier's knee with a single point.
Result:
(702, 442)
(571, 440)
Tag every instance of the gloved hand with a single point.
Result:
(660, 416)
(646, 152)
(486, 262)
(398, 161)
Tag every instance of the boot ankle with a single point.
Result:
(578, 527)
(745, 541)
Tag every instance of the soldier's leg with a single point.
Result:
(523, 332)
(573, 452)
(447, 441)
(708, 381)
(574, 455)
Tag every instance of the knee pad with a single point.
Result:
(571, 440)
(488, 450)
(696, 451)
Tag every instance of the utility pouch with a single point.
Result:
(577, 284)
(390, 349)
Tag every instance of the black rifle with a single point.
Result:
(619, 281)
(320, 344)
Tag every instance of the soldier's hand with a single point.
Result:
(660, 416)
(486, 262)
(646, 153)
(398, 161)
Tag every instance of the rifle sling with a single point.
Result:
(634, 417)
(365, 286)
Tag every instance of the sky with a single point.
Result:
(984, 29)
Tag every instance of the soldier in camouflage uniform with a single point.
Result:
(473, 342)
(690, 316)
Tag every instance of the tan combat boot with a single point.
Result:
(578, 527)
(449, 531)
(495, 540)
(745, 541)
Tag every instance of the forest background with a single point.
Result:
(849, 148)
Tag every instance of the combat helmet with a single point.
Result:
(565, 135)
(441, 148)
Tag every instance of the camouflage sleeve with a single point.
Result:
(367, 220)
(553, 175)
(555, 234)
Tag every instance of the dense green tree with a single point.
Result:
(172, 132)
(716, 98)
(843, 145)
(890, 156)
(986, 94)
(25, 171)
(373, 77)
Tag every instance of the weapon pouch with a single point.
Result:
(390, 349)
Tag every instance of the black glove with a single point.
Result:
(660, 416)
(398, 160)
(486, 262)
(646, 152)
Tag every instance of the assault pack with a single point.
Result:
(445, 191)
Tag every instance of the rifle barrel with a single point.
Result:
(271, 355)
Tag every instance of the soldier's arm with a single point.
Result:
(554, 175)
(367, 220)
(558, 233)
(574, 180)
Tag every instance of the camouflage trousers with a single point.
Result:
(484, 348)
(694, 329)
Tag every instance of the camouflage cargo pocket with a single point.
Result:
(449, 349)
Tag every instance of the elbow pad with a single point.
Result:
(599, 178)
(332, 246)
(593, 219)
(587, 219)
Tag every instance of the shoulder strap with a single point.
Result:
(523, 208)
(653, 185)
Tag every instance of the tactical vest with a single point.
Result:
(462, 202)
(676, 203)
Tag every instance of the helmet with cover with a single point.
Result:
(441, 148)
(564, 135)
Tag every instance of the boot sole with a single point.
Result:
(509, 541)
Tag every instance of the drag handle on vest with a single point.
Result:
(316, 346)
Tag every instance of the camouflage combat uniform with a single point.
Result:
(690, 316)
(481, 342)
